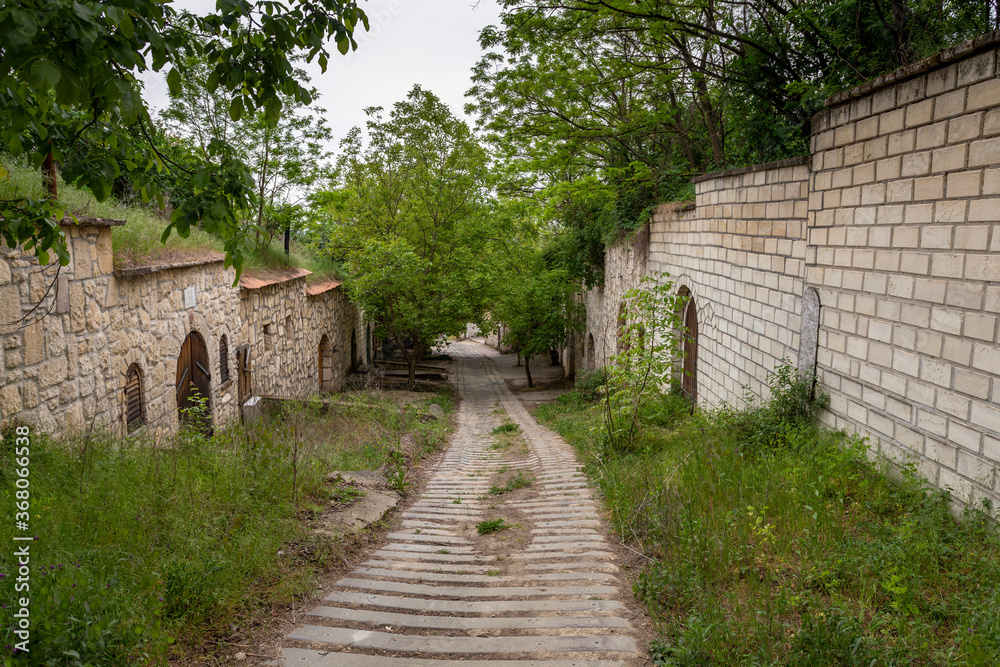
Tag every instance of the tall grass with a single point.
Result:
(774, 542)
(144, 551)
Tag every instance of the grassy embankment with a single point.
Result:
(138, 241)
(775, 542)
(147, 553)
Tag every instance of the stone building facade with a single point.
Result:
(875, 260)
(78, 339)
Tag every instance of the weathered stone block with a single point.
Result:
(949, 159)
(10, 400)
(10, 306)
(34, 343)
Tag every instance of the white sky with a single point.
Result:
(431, 42)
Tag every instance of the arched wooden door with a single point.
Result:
(193, 377)
(689, 380)
(354, 350)
(325, 364)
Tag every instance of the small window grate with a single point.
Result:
(134, 408)
(224, 359)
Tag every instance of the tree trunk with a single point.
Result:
(527, 370)
(288, 236)
(49, 177)
(415, 356)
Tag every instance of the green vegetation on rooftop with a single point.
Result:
(137, 242)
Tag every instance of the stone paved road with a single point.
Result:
(542, 593)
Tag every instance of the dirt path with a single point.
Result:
(542, 592)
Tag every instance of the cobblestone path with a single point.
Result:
(544, 592)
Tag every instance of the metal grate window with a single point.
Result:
(135, 411)
(223, 359)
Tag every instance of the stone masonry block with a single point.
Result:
(916, 164)
(984, 95)
(974, 384)
(982, 327)
(969, 237)
(919, 113)
(984, 153)
(984, 210)
(949, 159)
(932, 136)
(949, 104)
(951, 210)
(891, 121)
(976, 68)
(982, 267)
(941, 80)
(947, 265)
(965, 128)
(964, 184)
(963, 294)
(936, 237)
(930, 187)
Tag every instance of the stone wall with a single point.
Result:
(739, 253)
(903, 250)
(70, 335)
(876, 260)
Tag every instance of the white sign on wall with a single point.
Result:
(189, 297)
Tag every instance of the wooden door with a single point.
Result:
(354, 350)
(243, 373)
(194, 381)
(325, 365)
(689, 381)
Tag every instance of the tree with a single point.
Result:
(71, 94)
(608, 107)
(410, 218)
(286, 160)
(538, 309)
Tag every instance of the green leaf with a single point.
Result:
(236, 108)
(43, 76)
(174, 82)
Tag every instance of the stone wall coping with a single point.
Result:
(778, 164)
(946, 57)
(89, 221)
(292, 273)
(133, 271)
(674, 206)
(320, 288)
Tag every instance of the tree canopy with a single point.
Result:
(411, 218)
(608, 107)
(71, 95)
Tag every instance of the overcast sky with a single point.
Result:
(431, 42)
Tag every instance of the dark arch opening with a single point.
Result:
(135, 408)
(689, 345)
(325, 364)
(591, 352)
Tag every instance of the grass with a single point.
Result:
(145, 552)
(138, 240)
(506, 428)
(772, 542)
(519, 481)
(492, 526)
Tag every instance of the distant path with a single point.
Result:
(542, 593)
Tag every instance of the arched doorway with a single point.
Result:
(194, 381)
(591, 353)
(689, 347)
(354, 350)
(325, 365)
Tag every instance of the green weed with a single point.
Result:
(492, 526)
